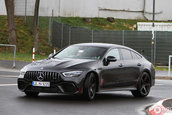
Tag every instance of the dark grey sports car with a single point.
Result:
(89, 68)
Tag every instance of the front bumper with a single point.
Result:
(61, 87)
(58, 83)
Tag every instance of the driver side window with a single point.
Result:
(114, 53)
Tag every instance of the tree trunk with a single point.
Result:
(11, 25)
(36, 35)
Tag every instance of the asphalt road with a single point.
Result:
(14, 102)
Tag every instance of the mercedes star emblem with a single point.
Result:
(40, 76)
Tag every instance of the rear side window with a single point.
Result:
(126, 54)
(135, 55)
(138, 56)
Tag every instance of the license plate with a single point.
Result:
(40, 84)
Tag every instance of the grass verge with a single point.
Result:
(162, 68)
(21, 56)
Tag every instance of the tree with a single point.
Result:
(36, 35)
(11, 25)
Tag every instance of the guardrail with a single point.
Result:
(169, 65)
(8, 45)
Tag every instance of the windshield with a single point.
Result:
(81, 52)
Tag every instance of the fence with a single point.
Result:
(64, 35)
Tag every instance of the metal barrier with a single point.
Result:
(8, 45)
(169, 65)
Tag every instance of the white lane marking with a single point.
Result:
(159, 84)
(1, 85)
(8, 76)
(9, 70)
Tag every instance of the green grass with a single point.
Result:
(159, 68)
(25, 35)
(99, 23)
(3, 30)
(21, 56)
(25, 31)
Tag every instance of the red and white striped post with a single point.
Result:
(33, 57)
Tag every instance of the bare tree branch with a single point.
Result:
(11, 25)
(36, 14)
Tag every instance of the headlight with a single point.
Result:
(72, 73)
(22, 73)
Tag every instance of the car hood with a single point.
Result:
(58, 64)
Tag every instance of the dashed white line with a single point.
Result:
(1, 85)
(158, 84)
(8, 76)
(9, 70)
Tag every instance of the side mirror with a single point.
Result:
(51, 55)
(111, 59)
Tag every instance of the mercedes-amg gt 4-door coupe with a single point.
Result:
(88, 68)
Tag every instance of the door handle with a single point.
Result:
(139, 64)
(120, 65)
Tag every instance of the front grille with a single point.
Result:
(46, 76)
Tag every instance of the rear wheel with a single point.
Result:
(32, 94)
(90, 86)
(143, 87)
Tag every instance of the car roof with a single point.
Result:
(106, 45)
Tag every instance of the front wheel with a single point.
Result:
(144, 85)
(90, 86)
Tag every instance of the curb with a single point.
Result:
(163, 107)
(9, 64)
(164, 77)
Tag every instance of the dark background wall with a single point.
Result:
(64, 35)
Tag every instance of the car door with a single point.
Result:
(112, 73)
(137, 64)
(131, 67)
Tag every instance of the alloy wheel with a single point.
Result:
(145, 84)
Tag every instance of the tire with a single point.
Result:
(90, 86)
(143, 87)
(32, 94)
